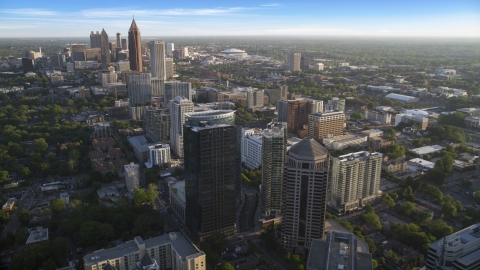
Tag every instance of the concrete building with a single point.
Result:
(294, 61)
(58, 60)
(95, 40)
(212, 173)
(169, 68)
(255, 100)
(335, 104)
(178, 108)
(176, 88)
(472, 122)
(371, 133)
(338, 251)
(169, 251)
(157, 124)
(132, 177)
(460, 250)
(177, 199)
(108, 78)
(170, 48)
(382, 117)
(319, 66)
(158, 87)
(102, 130)
(276, 94)
(273, 159)
(355, 180)
(341, 142)
(105, 50)
(37, 234)
(78, 52)
(157, 59)
(419, 120)
(402, 98)
(159, 155)
(395, 165)
(139, 94)
(304, 194)
(325, 124)
(252, 148)
(296, 112)
(140, 146)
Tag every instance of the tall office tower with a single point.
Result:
(210, 158)
(326, 124)
(455, 251)
(119, 40)
(177, 88)
(93, 54)
(178, 107)
(157, 87)
(305, 62)
(67, 52)
(139, 94)
(254, 100)
(355, 180)
(135, 48)
(170, 48)
(335, 104)
(273, 158)
(78, 52)
(106, 58)
(132, 177)
(304, 193)
(169, 68)
(276, 94)
(95, 40)
(185, 52)
(157, 123)
(157, 58)
(27, 64)
(295, 113)
(112, 47)
(294, 61)
(58, 60)
(124, 44)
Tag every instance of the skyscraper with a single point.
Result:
(335, 104)
(135, 48)
(294, 61)
(170, 48)
(177, 88)
(273, 158)
(139, 94)
(210, 141)
(276, 94)
(255, 100)
(169, 67)
(178, 108)
(326, 124)
(106, 56)
(296, 112)
(355, 180)
(78, 52)
(95, 40)
(305, 182)
(119, 40)
(157, 59)
(124, 44)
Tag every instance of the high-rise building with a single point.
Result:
(273, 158)
(119, 40)
(169, 68)
(456, 251)
(178, 107)
(295, 113)
(276, 94)
(139, 94)
(304, 193)
(294, 61)
(157, 58)
(326, 124)
(112, 47)
(305, 62)
(335, 104)
(158, 87)
(170, 48)
(338, 251)
(157, 124)
(251, 148)
(93, 54)
(27, 64)
(159, 155)
(124, 44)
(78, 52)
(106, 56)
(210, 140)
(177, 88)
(355, 180)
(58, 60)
(135, 48)
(254, 100)
(132, 176)
(95, 40)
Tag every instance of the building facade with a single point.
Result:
(78, 52)
(157, 59)
(135, 48)
(139, 94)
(326, 124)
(294, 61)
(355, 180)
(254, 100)
(159, 155)
(335, 104)
(157, 124)
(296, 112)
(276, 94)
(304, 194)
(178, 108)
(105, 50)
(176, 88)
(132, 176)
(95, 40)
(382, 117)
(273, 159)
(251, 148)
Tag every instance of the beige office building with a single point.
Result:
(326, 124)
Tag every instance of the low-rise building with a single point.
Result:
(462, 166)
(159, 154)
(374, 116)
(344, 141)
(170, 251)
(420, 164)
(103, 143)
(427, 149)
(472, 122)
(8, 206)
(102, 130)
(417, 119)
(395, 165)
(37, 234)
(107, 192)
(373, 133)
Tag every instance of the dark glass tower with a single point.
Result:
(210, 155)
(105, 51)
(135, 47)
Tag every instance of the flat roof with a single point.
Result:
(332, 225)
(179, 190)
(38, 234)
(422, 163)
(427, 149)
(357, 155)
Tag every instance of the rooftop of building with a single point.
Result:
(342, 138)
(308, 148)
(181, 245)
(132, 167)
(328, 113)
(357, 156)
(232, 50)
(178, 188)
(210, 114)
(37, 234)
(427, 149)
(465, 236)
(399, 97)
(273, 132)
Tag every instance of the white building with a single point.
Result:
(159, 155)
(139, 94)
(427, 149)
(373, 133)
(65, 198)
(178, 107)
(402, 98)
(170, 48)
(344, 141)
(419, 119)
(335, 104)
(132, 177)
(382, 117)
(108, 78)
(255, 99)
(319, 66)
(252, 148)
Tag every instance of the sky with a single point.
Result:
(385, 18)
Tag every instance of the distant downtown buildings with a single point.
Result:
(135, 47)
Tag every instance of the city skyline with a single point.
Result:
(372, 18)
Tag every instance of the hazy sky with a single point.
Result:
(54, 18)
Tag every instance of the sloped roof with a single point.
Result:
(146, 260)
(308, 148)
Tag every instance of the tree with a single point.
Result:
(152, 193)
(458, 205)
(374, 264)
(3, 176)
(227, 266)
(26, 172)
(24, 216)
(449, 210)
(439, 228)
(57, 205)
(40, 145)
(407, 208)
(139, 196)
(356, 116)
